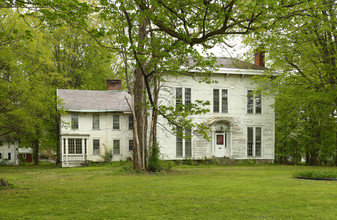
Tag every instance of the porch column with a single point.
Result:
(67, 152)
(213, 141)
(62, 148)
(83, 153)
(231, 140)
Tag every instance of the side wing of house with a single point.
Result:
(241, 126)
(86, 136)
(96, 122)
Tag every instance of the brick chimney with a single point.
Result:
(259, 57)
(114, 84)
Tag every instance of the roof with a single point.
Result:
(25, 150)
(232, 63)
(94, 100)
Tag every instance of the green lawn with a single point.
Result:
(203, 192)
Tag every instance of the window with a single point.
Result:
(115, 122)
(254, 141)
(130, 122)
(24, 156)
(0, 156)
(74, 121)
(223, 102)
(96, 147)
(183, 146)
(95, 122)
(1, 143)
(9, 156)
(183, 96)
(179, 143)
(130, 145)
(74, 146)
(116, 147)
(251, 104)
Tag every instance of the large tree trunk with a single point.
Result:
(36, 146)
(140, 105)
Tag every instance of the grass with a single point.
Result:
(203, 192)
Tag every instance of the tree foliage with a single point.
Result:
(301, 46)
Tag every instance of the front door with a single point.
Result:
(220, 144)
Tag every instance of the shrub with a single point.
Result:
(154, 162)
(317, 174)
(108, 155)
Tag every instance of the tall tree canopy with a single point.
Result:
(301, 46)
(33, 64)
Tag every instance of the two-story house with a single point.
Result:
(95, 121)
(241, 124)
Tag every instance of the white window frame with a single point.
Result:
(221, 110)
(93, 146)
(255, 99)
(77, 146)
(129, 145)
(130, 122)
(113, 146)
(72, 121)
(183, 93)
(96, 122)
(183, 147)
(119, 122)
(255, 142)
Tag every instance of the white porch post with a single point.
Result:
(231, 140)
(67, 152)
(62, 149)
(83, 153)
(213, 141)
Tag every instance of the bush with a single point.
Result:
(108, 155)
(317, 174)
(154, 162)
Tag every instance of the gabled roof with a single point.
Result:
(94, 100)
(232, 63)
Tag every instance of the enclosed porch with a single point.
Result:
(74, 150)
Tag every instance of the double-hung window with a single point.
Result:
(254, 141)
(95, 122)
(130, 122)
(183, 97)
(183, 146)
(115, 122)
(96, 147)
(254, 104)
(74, 121)
(130, 145)
(220, 99)
(116, 147)
(9, 156)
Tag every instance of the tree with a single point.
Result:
(301, 46)
(33, 64)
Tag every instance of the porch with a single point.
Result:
(74, 151)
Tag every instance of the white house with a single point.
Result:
(241, 125)
(95, 121)
(9, 152)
